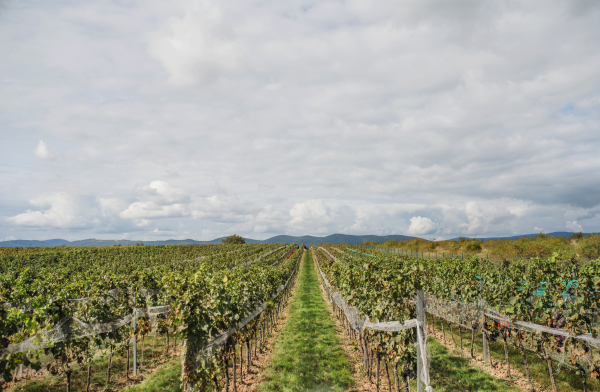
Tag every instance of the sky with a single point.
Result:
(151, 120)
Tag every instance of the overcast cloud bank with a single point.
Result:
(198, 119)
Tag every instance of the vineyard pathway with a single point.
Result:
(307, 354)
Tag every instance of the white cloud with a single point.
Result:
(141, 222)
(225, 209)
(172, 173)
(198, 46)
(58, 210)
(476, 219)
(311, 209)
(574, 226)
(9, 238)
(320, 216)
(110, 206)
(158, 200)
(220, 97)
(150, 209)
(163, 232)
(42, 151)
(421, 225)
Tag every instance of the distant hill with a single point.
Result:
(279, 239)
(57, 242)
(94, 242)
(307, 239)
(334, 239)
(516, 237)
(24, 243)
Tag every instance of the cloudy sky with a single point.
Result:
(152, 119)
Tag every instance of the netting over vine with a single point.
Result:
(70, 327)
(360, 322)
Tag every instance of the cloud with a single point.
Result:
(9, 238)
(110, 206)
(58, 210)
(158, 200)
(42, 151)
(320, 216)
(172, 173)
(196, 47)
(476, 219)
(574, 226)
(421, 225)
(163, 232)
(220, 98)
(225, 209)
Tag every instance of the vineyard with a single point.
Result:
(544, 305)
(59, 307)
(62, 307)
(584, 247)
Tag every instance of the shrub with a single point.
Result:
(473, 246)
(577, 236)
(589, 246)
(233, 239)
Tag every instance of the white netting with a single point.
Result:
(467, 315)
(70, 327)
(284, 257)
(327, 253)
(262, 256)
(337, 250)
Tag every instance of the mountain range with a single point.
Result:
(306, 239)
(279, 239)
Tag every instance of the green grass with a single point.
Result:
(307, 354)
(566, 379)
(99, 369)
(165, 379)
(452, 373)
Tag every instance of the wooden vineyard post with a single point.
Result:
(134, 336)
(484, 338)
(422, 332)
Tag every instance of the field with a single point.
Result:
(579, 246)
(69, 318)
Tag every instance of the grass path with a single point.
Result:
(307, 354)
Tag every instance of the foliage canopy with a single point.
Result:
(233, 240)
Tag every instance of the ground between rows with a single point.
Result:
(307, 354)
